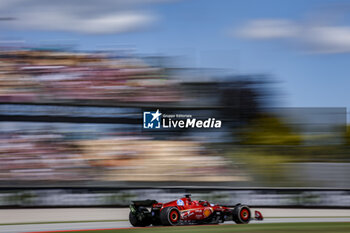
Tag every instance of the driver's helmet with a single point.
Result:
(188, 196)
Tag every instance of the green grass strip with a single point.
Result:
(52, 222)
(249, 228)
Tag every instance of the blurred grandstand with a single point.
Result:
(74, 118)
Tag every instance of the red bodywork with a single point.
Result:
(197, 210)
(185, 211)
(194, 210)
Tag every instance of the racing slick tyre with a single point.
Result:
(241, 214)
(139, 219)
(170, 216)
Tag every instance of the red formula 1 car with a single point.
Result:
(186, 211)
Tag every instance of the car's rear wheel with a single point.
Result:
(140, 218)
(170, 216)
(241, 214)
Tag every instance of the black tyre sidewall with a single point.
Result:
(165, 216)
(133, 220)
(136, 222)
(236, 214)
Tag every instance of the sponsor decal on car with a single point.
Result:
(207, 212)
(180, 202)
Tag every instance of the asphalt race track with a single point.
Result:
(126, 224)
(29, 218)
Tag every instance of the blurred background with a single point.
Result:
(75, 80)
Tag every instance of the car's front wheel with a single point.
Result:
(241, 214)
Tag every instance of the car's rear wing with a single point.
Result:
(135, 206)
(145, 203)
